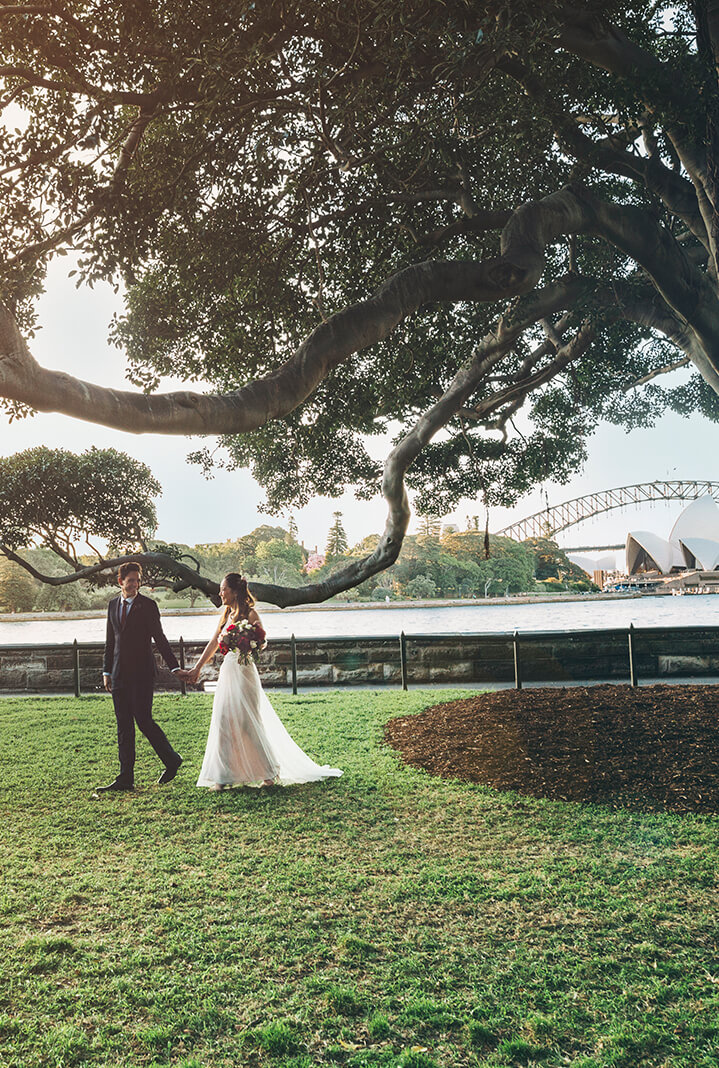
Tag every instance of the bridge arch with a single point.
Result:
(551, 521)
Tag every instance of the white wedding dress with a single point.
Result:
(248, 744)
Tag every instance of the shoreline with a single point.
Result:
(350, 606)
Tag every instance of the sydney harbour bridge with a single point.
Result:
(552, 520)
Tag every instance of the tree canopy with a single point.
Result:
(101, 500)
(348, 219)
(56, 498)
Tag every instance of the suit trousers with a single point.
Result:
(133, 705)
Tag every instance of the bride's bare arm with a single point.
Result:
(207, 653)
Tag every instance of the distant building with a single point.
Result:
(693, 543)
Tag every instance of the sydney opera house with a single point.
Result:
(693, 544)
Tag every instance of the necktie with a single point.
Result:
(123, 614)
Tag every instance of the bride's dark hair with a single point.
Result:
(245, 600)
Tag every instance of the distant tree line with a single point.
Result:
(431, 565)
(67, 521)
(457, 565)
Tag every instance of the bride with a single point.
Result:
(247, 744)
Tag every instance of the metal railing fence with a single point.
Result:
(511, 657)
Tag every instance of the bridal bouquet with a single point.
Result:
(245, 638)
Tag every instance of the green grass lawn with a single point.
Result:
(385, 918)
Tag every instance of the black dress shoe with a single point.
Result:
(117, 784)
(169, 773)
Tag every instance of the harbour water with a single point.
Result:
(339, 621)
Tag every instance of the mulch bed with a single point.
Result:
(653, 747)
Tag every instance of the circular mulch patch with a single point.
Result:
(653, 747)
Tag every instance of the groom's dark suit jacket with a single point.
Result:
(128, 649)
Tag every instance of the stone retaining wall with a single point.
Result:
(555, 657)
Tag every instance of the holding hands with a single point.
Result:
(189, 674)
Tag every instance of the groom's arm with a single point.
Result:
(109, 656)
(160, 640)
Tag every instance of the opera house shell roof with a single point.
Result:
(692, 544)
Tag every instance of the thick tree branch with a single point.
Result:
(686, 200)
(677, 194)
(709, 9)
(598, 42)
(595, 40)
(707, 22)
(530, 229)
(523, 387)
(78, 87)
(160, 561)
(665, 370)
(654, 314)
(488, 353)
(684, 287)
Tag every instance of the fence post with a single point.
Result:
(293, 650)
(517, 662)
(76, 666)
(183, 685)
(403, 659)
(632, 665)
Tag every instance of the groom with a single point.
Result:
(133, 621)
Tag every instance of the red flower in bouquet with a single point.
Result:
(245, 638)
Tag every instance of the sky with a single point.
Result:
(193, 510)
